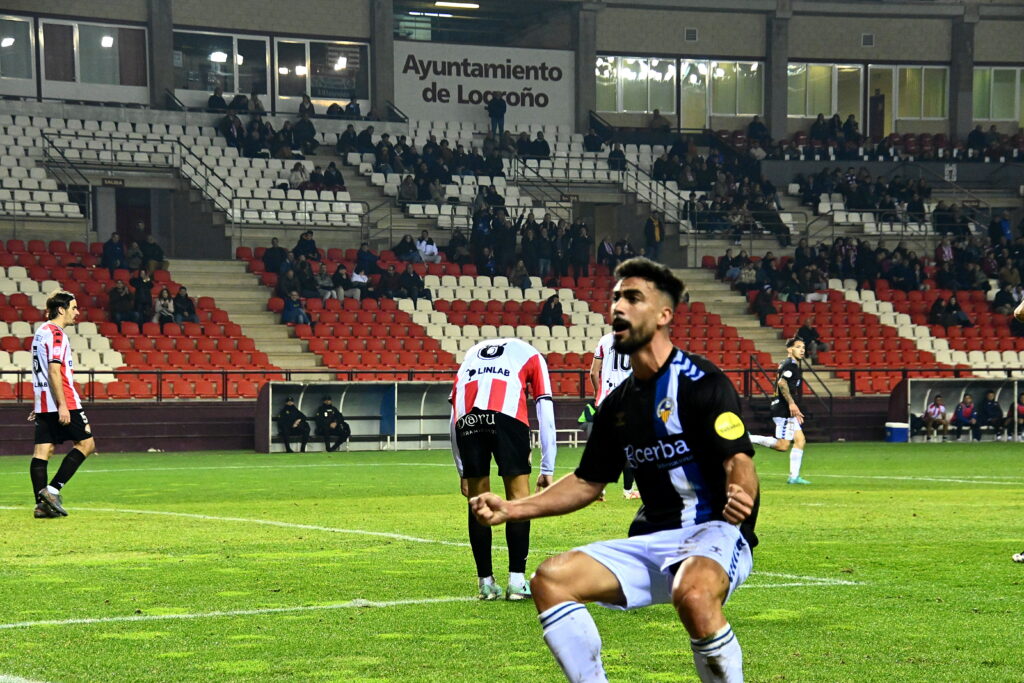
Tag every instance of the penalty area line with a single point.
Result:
(351, 604)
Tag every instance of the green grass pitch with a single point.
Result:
(893, 566)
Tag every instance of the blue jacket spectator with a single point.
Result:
(367, 260)
(113, 253)
(293, 311)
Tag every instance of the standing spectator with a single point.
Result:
(304, 135)
(343, 284)
(756, 130)
(976, 139)
(428, 250)
(122, 305)
(113, 254)
(255, 105)
(307, 280)
(306, 107)
(458, 248)
(274, 257)
(496, 109)
(658, 123)
(551, 312)
(579, 253)
(412, 285)
(164, 308)
(143, 285)
(325, 283)
(654, 233)
(592, 141)
(293, 312)
(811, 339)
(184, 307)
(306, 247)
(216, 100)
(364, 141)
(819, 129)
(616, 159)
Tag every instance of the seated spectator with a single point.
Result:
(333, 180)
(592, 141)
(274, 257)
(492, 197)
(756, 151)
(976, 139)
(216, 101)
(298, 179)
(428, 250)
(812, 340)
(764, 304)
(364, 141)
(307, 279)
(1004, 301)
(367, 260)
(234, 131)
(659, 123)
(306, 107)
(347, 141)
(406, 250)
(408, 191)
(255, 105)
(316, 179)
(956, 315)
(851, 130)
(945, 278)
(990, 414)
(361, 281)
(113, 254)
(287, 282)
(306, 247)
(121, 301)
(184, 307)
(412, 285)
(486, 264)
(163, 308)
(134, 258)
(458, 248)
(746, 280)
(617, 159)
(343, 284)
(1015, 415)
(305, 135)
(153, 254)
(294, 313)
(523, 145)
(143, 284)
(606, 253)
(390, 285)
(539, 148)
(520, 276)
(325, 283)
(354, 111)
(239, 103)
(551, 312)
(819, 129)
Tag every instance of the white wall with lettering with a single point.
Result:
(442, 82)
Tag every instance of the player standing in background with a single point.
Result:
(489, 419)
(676, 420)
(786, 412)
(607, 371)
(1018, 313)
(935, 416)
(57, 410)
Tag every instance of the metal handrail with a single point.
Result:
(173, 99)
(544, 186)
(955, 186)
(70, 170)
(392, 107)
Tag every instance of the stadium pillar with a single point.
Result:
(584, 45)
(382, 56)
(161, 52)
(776, 63)
(961, 73)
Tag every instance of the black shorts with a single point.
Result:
(50, 430)
(481, 434)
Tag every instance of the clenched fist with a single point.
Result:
(738, 504)
(489, 509)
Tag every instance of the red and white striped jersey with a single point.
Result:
(935, 411)
(496, 375)
(51, 345)
(615, 367)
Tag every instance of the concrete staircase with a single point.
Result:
(245, 300)
(732, 307)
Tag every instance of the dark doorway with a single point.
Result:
(134, 218)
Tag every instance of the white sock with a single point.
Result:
(718, 657)
(516, 579)
(486, 580)
(572, 637)
(796, 456)
(52, 489)
(766, 441)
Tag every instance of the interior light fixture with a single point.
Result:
(107, 41)
(341, 63)
(457, 5)
(7, 41)
(239, 60)
(443, 15)
(283, 70)
(218, 57)
(300, 70)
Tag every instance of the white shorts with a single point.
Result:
(786, 427)
(644, 564)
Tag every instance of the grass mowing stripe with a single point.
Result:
(351, 604)
(947, 480)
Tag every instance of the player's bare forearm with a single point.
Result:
(784, 390)
(741, 487)
(56, 380)
(1018, 312)
(568, 494)
(595, 376)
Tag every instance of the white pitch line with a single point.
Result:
(816, 579)
(351, 604)
(16, 679)
(948, 480)
(256, 467)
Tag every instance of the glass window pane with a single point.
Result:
(723, 88)
(982, 93)
(848, 91)
(935, 96)
(15, 49)
(693, 94)
(797, 80)
(291, 69)
(131, 56)
(1020, 92)
(252, 66)
(749, 88)
(97, 48)
(909, 79)
(633, 74)
(661, 81)
(819, 90)
(338, 71)
(1004, 94)
(202, 61)
(605, 73)
(59, 52)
